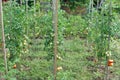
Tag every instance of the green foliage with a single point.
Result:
(73, 3)
(73, 31)
(115, 26)
(75, 26)
(65, 29)
(12, 74)
(65, 75)
(49, 31)
(14, 29)
(100, 30)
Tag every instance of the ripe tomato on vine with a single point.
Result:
(110, 62)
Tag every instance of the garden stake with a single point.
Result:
(3, 36)
(106, 65)
(107, 58)
(101, 39)
(26, 7)
(34, 22)
(55, 23)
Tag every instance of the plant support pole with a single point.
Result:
(3, 36)
(26, 6)
(55, 23)
(109, 36)
(34, 18)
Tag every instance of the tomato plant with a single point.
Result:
(14, 30)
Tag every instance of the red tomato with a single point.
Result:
(110, 62)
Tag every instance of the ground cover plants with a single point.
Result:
(85, 42)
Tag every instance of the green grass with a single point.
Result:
(74, 61)
(34, 65)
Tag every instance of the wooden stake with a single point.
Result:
(109, 23)
(26, 7)
(34, 7)
(34, 31)
(3, 36)
(55, 23)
